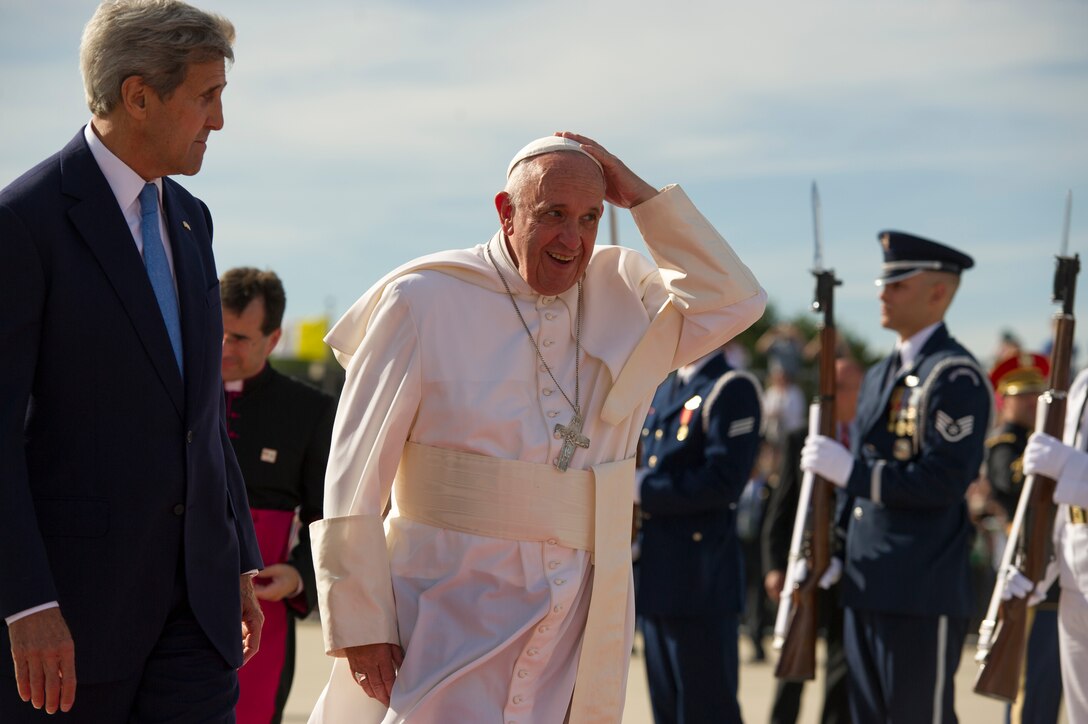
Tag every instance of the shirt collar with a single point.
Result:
(125, 183)
(909, 348)
(688, 371)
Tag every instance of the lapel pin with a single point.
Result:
(186, 225)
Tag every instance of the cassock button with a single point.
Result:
(547, 392)
(523, 674)
(553, 564)
(548, 343)
(696, 536)
(189, 437)
(532, 652)
(518, 699)
(858, 513)
(179, 509)
(553, 413)
(560, 581)
(550, 316)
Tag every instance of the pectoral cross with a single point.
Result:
(572, 436)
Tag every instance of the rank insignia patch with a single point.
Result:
(954, 430)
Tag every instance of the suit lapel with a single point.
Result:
(191, 292)
(102, 226)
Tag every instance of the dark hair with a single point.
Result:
(241, 285)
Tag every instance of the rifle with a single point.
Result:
(797, 619)
(1002, 637)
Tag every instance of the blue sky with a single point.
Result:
(359, 135)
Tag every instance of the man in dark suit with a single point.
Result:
(777, 531)
(699, 445)
(127, 549)
(922, 418)
(280, 429)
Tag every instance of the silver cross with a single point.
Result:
(572, 436)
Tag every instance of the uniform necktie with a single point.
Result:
(158, 269)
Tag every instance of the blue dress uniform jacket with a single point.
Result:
(918, 444)
(691, 561)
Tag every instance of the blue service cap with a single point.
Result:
(906, 255)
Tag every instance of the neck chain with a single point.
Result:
(571, 434)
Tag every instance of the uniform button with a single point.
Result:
(179, 509)
(645, 432)
(652, 462)
(533, 652)
(553, 413)
(548, 392)
(189, 437)
(548, 343)
(858, 513)
(549, 316)
(658, 434)
(696, 536)
(523, 674)
(553, 564)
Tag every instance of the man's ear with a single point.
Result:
(135, 95)
(505, 206)
(274, 339)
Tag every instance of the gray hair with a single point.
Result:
(154, 39)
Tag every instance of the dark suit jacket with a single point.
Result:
(908, 553)
(280, 414)
(113, 470)
(690, 563)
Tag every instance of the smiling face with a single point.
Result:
(550, 217)
(176, 128)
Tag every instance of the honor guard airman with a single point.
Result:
(922, 417)
(699, 445)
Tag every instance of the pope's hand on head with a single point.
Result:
(623, 187)
(827, 458)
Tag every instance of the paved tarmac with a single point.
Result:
(757, 685)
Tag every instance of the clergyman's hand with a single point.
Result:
(277, 582)
(622, 187)
(252, 619)
(374, 667)
(773, 583)
(45, 660)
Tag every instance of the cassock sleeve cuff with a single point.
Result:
(354, 589)
(699, 268)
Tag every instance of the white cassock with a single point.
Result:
(493, 627)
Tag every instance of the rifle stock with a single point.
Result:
(1004, 632)
(797, 659)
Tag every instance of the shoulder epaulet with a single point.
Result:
(1005, 438)
(957, 366)
(724, 380)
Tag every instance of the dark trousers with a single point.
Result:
(901, 668)
(183, 681)
(787, 695)
(1042, 685)
(691, 665)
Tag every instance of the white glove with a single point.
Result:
(1018, 585)
(830, 577)
(827, 458)
(1046, 455)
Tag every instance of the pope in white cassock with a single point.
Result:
(494, 397)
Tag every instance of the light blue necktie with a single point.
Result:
(158, 269)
